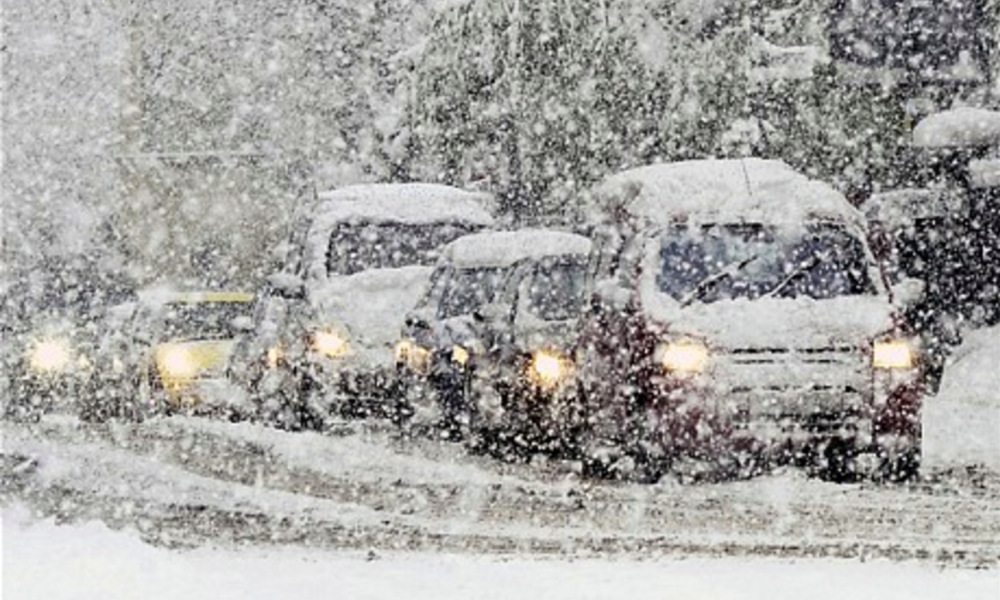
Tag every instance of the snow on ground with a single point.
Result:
(962, 423)
(194, 482)
(80, 562)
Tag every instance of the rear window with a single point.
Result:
(468, 290)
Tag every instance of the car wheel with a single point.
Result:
(897, 466)
(837, 461)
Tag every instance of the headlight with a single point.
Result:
(47, 356)
(330, 344)
(275, 355)
(176, 363)
(549, 368)
(459, 355)
(686, 356)
(892, 355)
(413, 355)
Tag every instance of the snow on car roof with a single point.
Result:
(504, 248)
(958, 128)
(404, 203)
(721, 190)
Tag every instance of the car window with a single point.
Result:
(556, 289)
(468, 290)
(719, 262)
(356, 247)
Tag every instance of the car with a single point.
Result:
(176, 350)
(360, 259)
(490, 342)
(944, 229)
(56, 319)
(740, 320)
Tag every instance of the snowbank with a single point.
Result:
(962, 423)
(90, 561)
(958, 128)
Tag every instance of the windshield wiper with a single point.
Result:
(807, 266)
(709, 282)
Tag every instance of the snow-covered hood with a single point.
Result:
(370, 306)
(775, 322)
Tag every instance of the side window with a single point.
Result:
(556, 288)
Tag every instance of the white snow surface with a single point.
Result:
(722, 190)
(959, 127)
(504, 248)
(985, 173)
(86, 561)
(371, 305)
(901, 208)
(961, 425)
(788, 322)
(405, 203)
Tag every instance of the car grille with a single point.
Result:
(783, 381)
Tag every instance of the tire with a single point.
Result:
(897, 467)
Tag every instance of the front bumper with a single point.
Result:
(702, 419)
(329, 386)
(30, 393)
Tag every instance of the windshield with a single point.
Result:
(356, 247)
(203, 320)
(468, 290)
(556, 292)
(722, 262)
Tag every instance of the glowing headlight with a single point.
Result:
(47, 356)
(686, 356)
(274, 356)
(413, 355)
(176, 362)
(892, 355)
(330, 344)
(459, 355)
(548, 368)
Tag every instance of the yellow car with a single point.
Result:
(185, 340)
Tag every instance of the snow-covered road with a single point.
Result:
(192, 482)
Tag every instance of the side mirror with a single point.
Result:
(492, 313)
(609, 293)
(242, 323)
(286, 285)
(908, 291)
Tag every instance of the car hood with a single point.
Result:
(779, 322)
(371, 306)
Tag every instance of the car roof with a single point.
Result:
(750, 190)
(505, 248)
(416, 203)
(963, 127)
